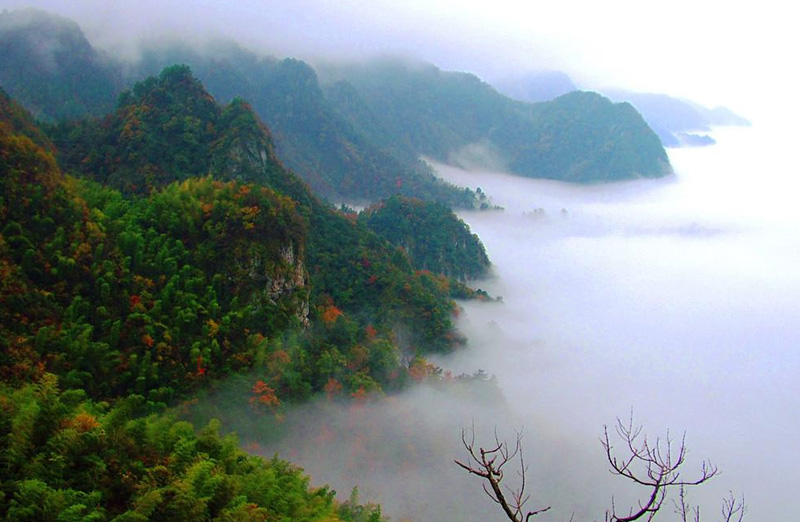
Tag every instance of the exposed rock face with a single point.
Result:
(290, 283)
(275, 282)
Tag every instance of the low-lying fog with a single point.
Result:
(677, 299)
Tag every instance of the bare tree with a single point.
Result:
(733, 509)
(654, 464)
(489, 463)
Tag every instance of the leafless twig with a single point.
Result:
(489, 463)
(653, 464)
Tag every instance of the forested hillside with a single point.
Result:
(48, 65)
(433, 237)
(580, 137)
(155, 247)
(356, 136)
(67, 458)
(186, 266)
(337, 159)
(181, 252)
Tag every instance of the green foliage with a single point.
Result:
(166, 129)
(612, 141)
(579, 137)
(48, 65)
(68, 459)
(157, 294)
(421, 108)
(179, 252)
(132, 298)
(432, 235)
(337, 159)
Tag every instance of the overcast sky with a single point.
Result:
(715, 52)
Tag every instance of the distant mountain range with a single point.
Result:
(677, 122)
(48, 64)
(536, 86)
(580, 137)
(359, 133)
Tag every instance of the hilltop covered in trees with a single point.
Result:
(578, 137)
(433, 237)
(354, 133)
(155, 247)
(178, 252)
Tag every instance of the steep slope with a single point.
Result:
(47, 64)
(338, 160)
(116, 315)
(166, 129)
(583, 137)
(578, 137)
(678, 122)
(357, 138)
(433, 236)
(117, 295)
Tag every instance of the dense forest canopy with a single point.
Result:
(154, 246)
(179, 251)
(354, 133)
(434, 237)
(579, 137)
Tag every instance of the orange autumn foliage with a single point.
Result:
(332, 388)
(371, 332)
(264, 395)
(421, 369)
(83, 422)
(360, 396)
(330, 314)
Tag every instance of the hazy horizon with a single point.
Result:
(676, 298)
(713, 53)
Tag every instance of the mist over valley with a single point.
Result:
(285, 260)
(670, 299)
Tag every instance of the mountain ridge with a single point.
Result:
(352, 147)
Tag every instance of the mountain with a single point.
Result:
(434, 238)
(536, 86)
(678, 122)
(156, 251)
(579, 137)
(103, 297)
(47, 64)
(358, 134)
(607, 142)
(721, 116)
(338, 160)
(168, 128)
(114, 304)
(141, 276)
(116, 295)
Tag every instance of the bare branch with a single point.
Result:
(686, 511)
(653, 465)
(733, 509)
(488, 464)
